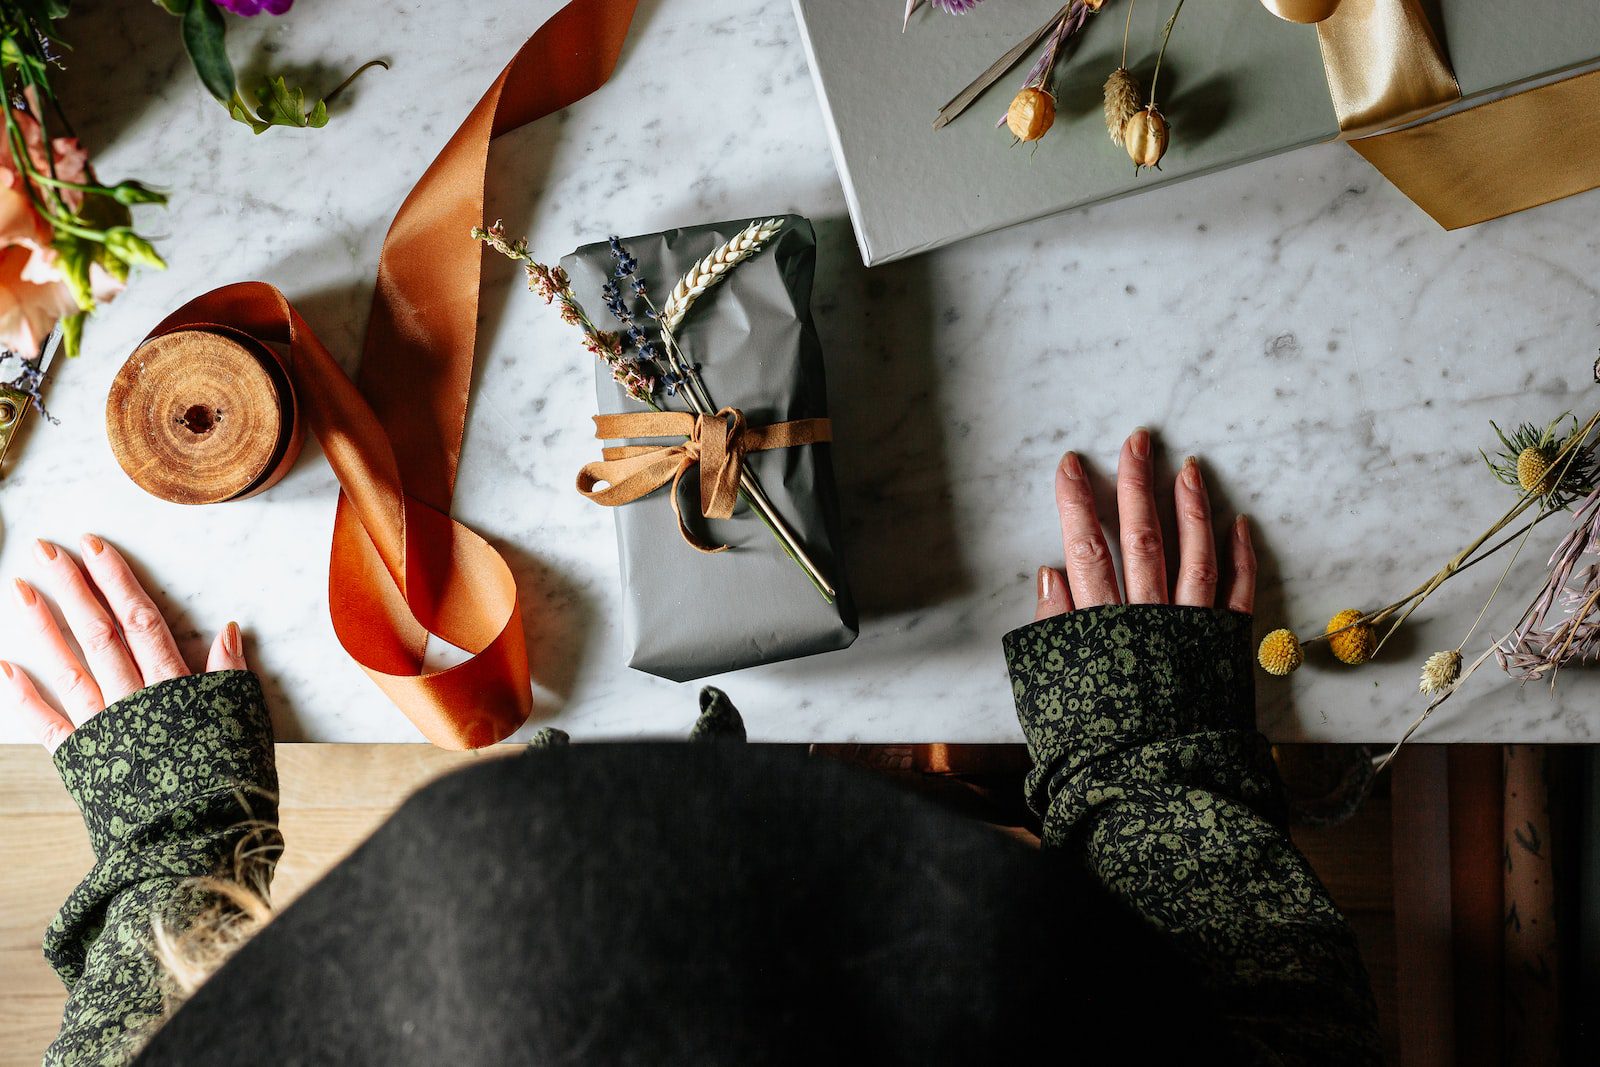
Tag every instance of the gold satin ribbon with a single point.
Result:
(717, 444)
(1385, 68)
(401, 568)
(1384, 65)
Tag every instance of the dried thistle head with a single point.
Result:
(1121, 100)
(1440, 671)
(1527, 459)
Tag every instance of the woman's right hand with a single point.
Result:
(124, 649)
(1090, 578)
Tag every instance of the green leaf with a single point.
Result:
(72, 333)
(132, 249)
(203, 31)
(280, 105)
(73, 258)
(174, 7)
(239, 111)
(131, 192)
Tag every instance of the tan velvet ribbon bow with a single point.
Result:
(401, 567)
(716, 444)
(1385, 69)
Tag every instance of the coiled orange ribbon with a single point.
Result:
(716, 444)
(401, 568)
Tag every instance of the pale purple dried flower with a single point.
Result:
(956, 7)
(1539, 646)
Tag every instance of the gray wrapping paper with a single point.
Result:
(686, 614)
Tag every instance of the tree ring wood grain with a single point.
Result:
(201, 416)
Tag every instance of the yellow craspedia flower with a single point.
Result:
(1280, 653)
(1353, 646)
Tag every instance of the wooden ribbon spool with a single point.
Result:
(202, 416)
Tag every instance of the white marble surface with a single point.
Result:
(1332, 355)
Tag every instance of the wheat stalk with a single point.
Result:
(709, 271)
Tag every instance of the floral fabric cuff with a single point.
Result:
(149, 755)
(1097, 682)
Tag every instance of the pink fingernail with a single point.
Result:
(1140, 442)
(24, 592)
(231, 639)
(1072, 466)
(45, 551)
(1047, 582)
(93, 544)
(1191, 472)
(1242, 526)
(5, 669)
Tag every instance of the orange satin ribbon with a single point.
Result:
(717, 444)
(401, 568)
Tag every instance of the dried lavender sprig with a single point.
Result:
(26, 376)
(627, 272)
(636, 374)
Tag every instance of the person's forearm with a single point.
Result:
(177, 784)
(1148, 767)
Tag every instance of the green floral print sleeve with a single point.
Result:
(1147, 765)
(170, 781)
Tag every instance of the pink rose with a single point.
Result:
(33, 295)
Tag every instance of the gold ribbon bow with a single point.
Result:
(716, 444)
(1385, 69)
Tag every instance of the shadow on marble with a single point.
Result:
(558, 616)
(902, 550)
(168, 592)
(105, 93)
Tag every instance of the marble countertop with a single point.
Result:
(1332, 356)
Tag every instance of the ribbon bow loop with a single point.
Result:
(723, 443)
(716, 444)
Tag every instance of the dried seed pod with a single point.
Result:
(1440, 672)
(1094, 5)
(1031, 114)
(1144, 135)
(1122, 100)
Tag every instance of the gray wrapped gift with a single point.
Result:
(687, 614)
(1238, 85)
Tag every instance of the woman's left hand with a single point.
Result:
(1090, 579)
(126, 644)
